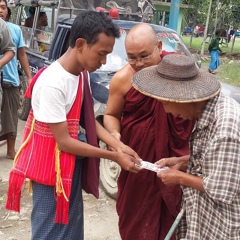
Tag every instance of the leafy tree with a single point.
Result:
(227, 12)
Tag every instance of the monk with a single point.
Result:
(146, 207)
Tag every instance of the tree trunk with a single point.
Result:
(216, 19)
(206, 28)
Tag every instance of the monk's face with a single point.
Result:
(143, 54)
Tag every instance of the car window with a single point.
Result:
(172, 42)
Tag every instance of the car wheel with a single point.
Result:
(24, 103)
(109, 172)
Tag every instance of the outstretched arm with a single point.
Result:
(68, 144)
(119, 86)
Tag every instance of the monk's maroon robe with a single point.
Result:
(146, 207)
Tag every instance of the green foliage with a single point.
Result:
(236, 13)
(227, 12)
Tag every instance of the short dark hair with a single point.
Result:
(32, 10)
(9, 13)
(89, 24)
(42, 13)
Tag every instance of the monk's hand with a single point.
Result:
(128, 162)
(170, 176)
(117, 135)
(126, 149)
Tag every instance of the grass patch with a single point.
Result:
(228, 71)
(230, 74)
(197, 44)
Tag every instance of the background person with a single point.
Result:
(42, 22)
(10, 84)
(7, 51)
(146, 207)
(214, 51)
(29, 21)
(211, 184)
(59, 106)
(230, 34)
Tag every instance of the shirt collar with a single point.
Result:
(207, 114)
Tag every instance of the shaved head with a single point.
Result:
(140, 34)
(142, 43)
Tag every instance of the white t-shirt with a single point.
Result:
(54, 94)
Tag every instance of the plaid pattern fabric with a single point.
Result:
(215, 156)
(44, 207)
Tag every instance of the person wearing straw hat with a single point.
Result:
(145, 206)
(209, 176)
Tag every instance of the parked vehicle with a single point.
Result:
(55, 44)
(237, 33)
(187, 31)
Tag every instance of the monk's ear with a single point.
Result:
(159, 45)
(80, 43)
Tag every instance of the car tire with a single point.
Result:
(24, 103)
(109, 172)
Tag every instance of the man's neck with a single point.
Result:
(68, 62)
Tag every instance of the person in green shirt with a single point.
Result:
(214, 51)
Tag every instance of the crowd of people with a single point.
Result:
(193, 130)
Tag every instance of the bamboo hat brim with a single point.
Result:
(176, 79)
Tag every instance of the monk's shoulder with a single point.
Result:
(121, 80)
(124, 75)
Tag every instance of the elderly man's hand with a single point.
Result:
(170, 176)
(177, 163)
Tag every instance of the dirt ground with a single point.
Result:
(100, 218)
